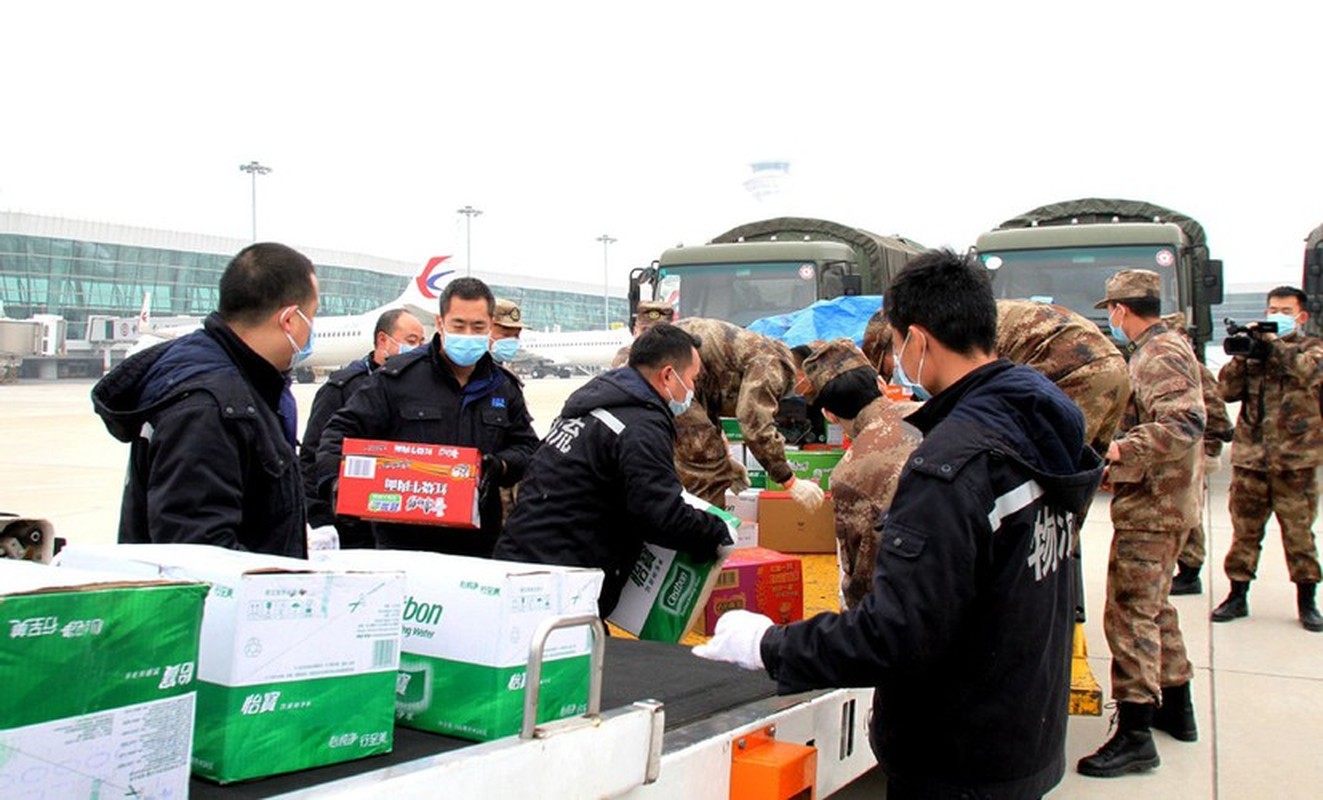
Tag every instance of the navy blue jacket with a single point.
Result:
(212, 428)
(966, 635)
(414, 397)
(602, 483)
(333, 395)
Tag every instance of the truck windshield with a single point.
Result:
(1076, 277)
(738, 293)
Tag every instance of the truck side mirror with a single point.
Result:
(1211, 282)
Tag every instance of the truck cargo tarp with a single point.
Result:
(1315, 238)
(881, 256)
(1102, 209)
(842, 318)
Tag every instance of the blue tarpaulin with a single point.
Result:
(844, 317)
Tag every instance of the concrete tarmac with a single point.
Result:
(1258, 683)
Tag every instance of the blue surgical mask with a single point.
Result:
(301, 353)
(503, 350)
(1117, 334)
(679, 407)
(403, 348)
(901, 379)
(465, 350)
(1285, 323)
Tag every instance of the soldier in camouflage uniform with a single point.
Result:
(864, 481)
(1065, 347)
(745, 375)
(1216, 433)
(1275, 454)
(648, 313)
(1152, 471)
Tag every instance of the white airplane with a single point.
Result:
(572, 348)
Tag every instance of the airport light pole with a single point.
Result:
(469, 213)
(606, 241)
(254, 169)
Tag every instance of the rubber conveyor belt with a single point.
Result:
(691, 688)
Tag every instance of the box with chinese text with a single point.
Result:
(297, 663)
(100, 682)
(760, 580)
(422, 484)
(813, 465)
(468, 623)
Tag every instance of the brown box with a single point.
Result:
(785, 526)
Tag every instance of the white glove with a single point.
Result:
(740, 481)
(807, 493)
(738, 639)
(325, 537)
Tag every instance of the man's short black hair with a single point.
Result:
(848, 393)
(950, 295)
(1145, 307)
(663, 345)
(386, 322)
(263, 278)
(468, 289)
(1289, 291)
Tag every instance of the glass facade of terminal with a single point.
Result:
(75, 279)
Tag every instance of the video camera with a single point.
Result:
(1247, 340)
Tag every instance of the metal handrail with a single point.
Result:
(533, 677)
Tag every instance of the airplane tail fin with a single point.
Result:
(423, 293)
(145, 315)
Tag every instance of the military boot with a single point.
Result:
(1176, 714)
(1130, 750)
(1309, 616)
(1236, 605)
(1187, 581)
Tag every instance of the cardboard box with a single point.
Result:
(100, 683)
(297, 663)
(760, 580)
(420, 484)
(785, 526)
(667, 590)
(814, 465)
(744, 507)
(468, 623)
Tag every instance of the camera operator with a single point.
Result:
(1278, 444)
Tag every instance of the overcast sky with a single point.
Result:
(564, 121)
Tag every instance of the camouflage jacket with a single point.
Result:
(862, 486)
(1279, 427)
(745, 375)
(1153, 481)
(1219, 428)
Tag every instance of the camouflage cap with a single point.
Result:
(651, 312)
(507, 314)
(833, 359)
(1131, 284)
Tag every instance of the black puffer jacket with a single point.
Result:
(414, 397)
(333, 395)
(211, 425)
(966, 634)
(602, 483)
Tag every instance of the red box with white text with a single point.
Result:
(422, 484)
(761, 580)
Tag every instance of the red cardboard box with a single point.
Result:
(422, 484)
(760, 580)
(785, 526)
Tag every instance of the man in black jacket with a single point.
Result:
(210, 417)
(397, 331)
(966, 633)
(450, 392)
(603, 481)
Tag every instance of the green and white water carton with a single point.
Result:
(468, 623)
(100, 683)
(813, 465)
(667, 590)
(298, 660)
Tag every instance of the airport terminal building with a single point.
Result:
(78, 269)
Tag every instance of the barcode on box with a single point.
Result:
(360, 467)
(383, 653)
(727, 578)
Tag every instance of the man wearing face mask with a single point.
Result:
(507, 324)
(451, 392)
(210, 418)
(1275, 452)
(397, 331)
(603, 481)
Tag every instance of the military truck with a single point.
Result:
(1312, 283)
(1063, 253)
(769, 267)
